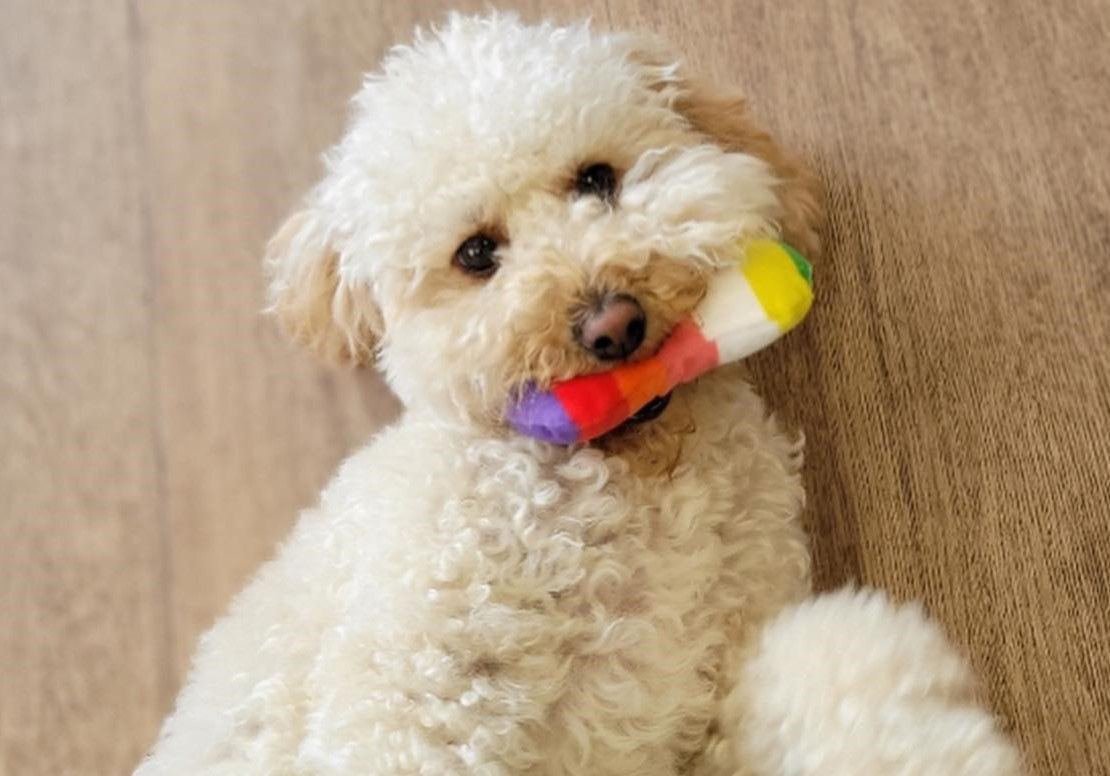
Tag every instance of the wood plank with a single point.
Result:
(84, 640)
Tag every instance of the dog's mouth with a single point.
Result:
(649, 411)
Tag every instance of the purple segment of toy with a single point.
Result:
(539, 414)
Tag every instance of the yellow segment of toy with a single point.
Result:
(781, 289)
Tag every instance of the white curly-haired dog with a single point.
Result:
(521, 203)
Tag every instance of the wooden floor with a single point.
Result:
(157, 436)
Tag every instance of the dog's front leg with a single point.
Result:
(849, 684)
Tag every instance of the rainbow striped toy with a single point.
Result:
(746, 308)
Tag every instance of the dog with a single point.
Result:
(516, 204)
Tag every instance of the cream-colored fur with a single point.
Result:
(467, 601)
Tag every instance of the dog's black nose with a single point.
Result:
(613, 328)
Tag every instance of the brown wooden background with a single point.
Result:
(157, 436)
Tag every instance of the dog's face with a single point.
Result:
(519, 204)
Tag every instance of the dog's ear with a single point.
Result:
(314, 304)
(724, 118)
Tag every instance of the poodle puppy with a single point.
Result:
(513, 204)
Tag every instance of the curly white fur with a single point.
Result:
(467, 601)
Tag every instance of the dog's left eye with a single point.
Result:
(598, 179)
(476, 255)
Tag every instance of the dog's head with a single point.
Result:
(518, 203)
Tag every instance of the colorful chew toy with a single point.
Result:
(746, 308)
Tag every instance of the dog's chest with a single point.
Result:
(582, 594)
(554, 612)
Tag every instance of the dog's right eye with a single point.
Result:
(476, 256)
(599, 179)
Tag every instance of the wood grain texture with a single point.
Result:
(82, 603)
(157, 436)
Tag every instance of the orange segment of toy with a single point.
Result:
(642, 381)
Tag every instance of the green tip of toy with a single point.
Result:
(805, 269)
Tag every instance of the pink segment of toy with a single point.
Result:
(687, 354)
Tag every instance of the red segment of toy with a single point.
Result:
(594, 402)
(687, 354)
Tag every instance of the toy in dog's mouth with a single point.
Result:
(746, 307)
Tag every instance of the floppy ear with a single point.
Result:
(724, 118)
(315, 305)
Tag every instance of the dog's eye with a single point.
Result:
(597, 179)
(476, 255)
